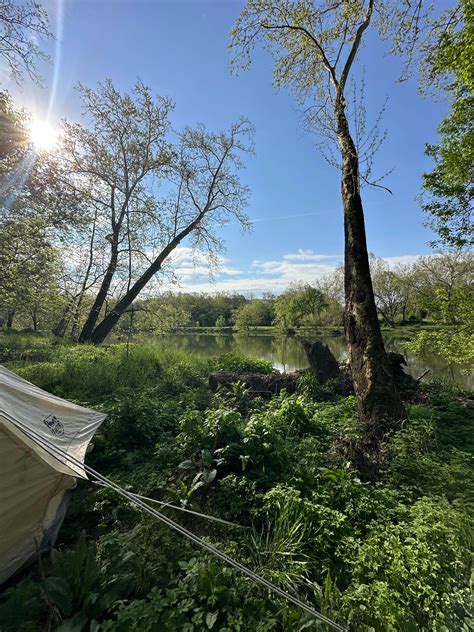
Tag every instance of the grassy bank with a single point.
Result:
(402, 332)
(392, 556)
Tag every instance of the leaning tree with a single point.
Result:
(114, 161)
(205, 193)
(144, 192)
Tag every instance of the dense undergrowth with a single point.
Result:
(386, 557)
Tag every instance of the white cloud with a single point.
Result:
(307, 255)
(274, 276)
(188, 272)
(402, 260)
(239, 286)
(183, 255)
(263, 276)
(291, 272)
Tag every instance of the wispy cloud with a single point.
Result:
(274, 275)
(292, 216)
(308, 255)
(190, 272)
(392, 262)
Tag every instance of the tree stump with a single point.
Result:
(322, 363)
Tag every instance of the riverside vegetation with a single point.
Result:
(387, 556)
(125, 197)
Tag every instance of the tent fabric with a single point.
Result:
(66, 425)
(33, 481)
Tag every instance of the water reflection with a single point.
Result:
(286, 354)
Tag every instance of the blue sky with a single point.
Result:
(179, 48)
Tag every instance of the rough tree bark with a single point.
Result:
(315, 45)
(380, 405)
(103, 292)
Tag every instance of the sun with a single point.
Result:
(43, 135)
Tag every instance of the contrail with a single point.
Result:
(267, 219)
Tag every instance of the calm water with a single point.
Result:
(287, 355)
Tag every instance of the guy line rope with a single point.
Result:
(137, 501)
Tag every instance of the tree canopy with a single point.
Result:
(449, 187)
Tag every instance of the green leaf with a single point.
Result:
(211, 618)
(74, 624)
(60, 593)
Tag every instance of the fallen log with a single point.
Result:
(264, 385)
(323, 366)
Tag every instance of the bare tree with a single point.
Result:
(207, 194)
(115, 163)
(21, 25)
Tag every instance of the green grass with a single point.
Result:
(18, 348)
(94, 374)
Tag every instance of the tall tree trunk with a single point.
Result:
(92, 318)
(10, 316)
(404, 314)
(380, 406)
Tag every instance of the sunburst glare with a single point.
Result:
(43, 135)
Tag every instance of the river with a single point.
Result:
(286, 354)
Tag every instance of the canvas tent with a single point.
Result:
(33, 481)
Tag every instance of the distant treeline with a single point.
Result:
(437, 288)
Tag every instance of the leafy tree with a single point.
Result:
(116, 165)
(22, 25)
(455, 345)
(314, 45)
(155, 316)
(300, 305)
(438, 278)
(113, 163)
(257, 313)
(449, 190)
(13, 134)
(221, 321)
(29, 265)
(332, 288)
(444, 286)
(388, 291)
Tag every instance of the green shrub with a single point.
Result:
(387, 556)
(82, 590)
(412, 575)
(311, 388)
(239, 364)
(22, 607)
